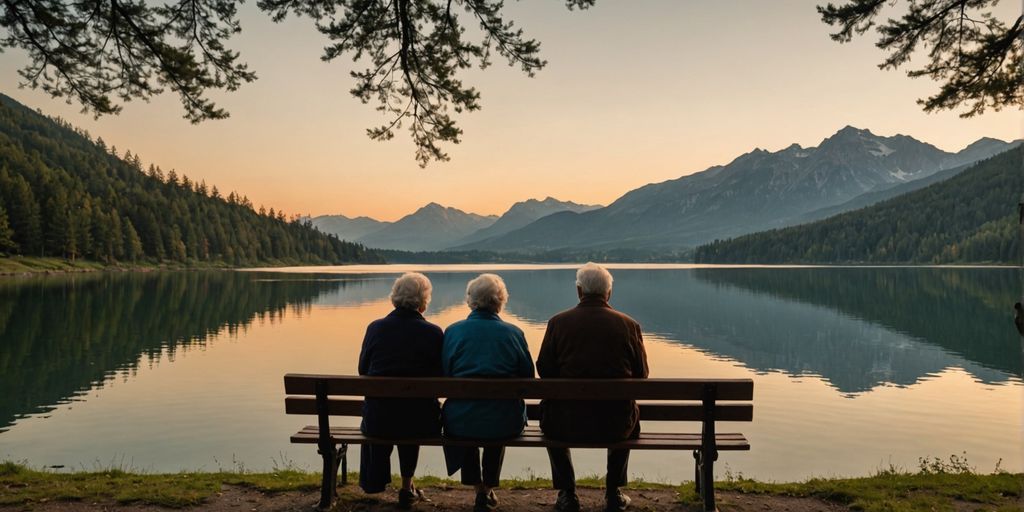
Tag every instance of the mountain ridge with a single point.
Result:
(348, 228)
(970, 217)
(755, 191)
(432, 227)
(521, 214)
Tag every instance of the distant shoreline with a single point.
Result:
(21, 266)
(25, 266)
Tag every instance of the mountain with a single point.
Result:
(982, 149)
(969, 218)
(523, 213)
(756, 191)
(348, 228)
(431, 228)
(63, 194)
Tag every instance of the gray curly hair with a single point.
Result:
(487, 292)
(411, 291)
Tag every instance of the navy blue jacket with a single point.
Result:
(402, 344)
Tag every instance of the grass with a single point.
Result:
(21, 485)
(34, 265)
(27, 265)
(23, 265)
(895, 492)
(931, 488)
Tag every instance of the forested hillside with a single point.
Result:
(970, 218)
(63, 194)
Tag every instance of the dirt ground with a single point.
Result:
(241, 499)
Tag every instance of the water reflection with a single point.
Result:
(894, 362)
(965, 312)
(855, 328)
(60, 336)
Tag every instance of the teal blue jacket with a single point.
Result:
(485, 346)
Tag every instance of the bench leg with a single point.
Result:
(696, 470)
(707, 478)
(343, 458)
(329, 480)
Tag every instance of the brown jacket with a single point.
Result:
(593, 341)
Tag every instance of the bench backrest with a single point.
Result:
(688, 399)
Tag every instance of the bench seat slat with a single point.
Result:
(648, 412)
(559, 389)
(532, 437)
(534, 431)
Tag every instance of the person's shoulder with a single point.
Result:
(429, 326)
(455, 327)
(435, 329)
(625, 318)
(513, 329)
(564, 315)
(377, 324)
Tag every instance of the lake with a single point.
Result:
(855, 369)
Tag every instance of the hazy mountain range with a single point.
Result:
(758, 190)
(435, 227)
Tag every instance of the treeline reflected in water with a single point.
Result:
(60, 336)
(964, 312)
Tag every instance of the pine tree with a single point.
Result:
(23, 213)
(178, 252)
(115, 235)
(6, 234)
(132, 243)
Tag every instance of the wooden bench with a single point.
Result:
(679, 400)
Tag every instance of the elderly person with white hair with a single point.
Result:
(483, 346)
(402, 344)
(591, 341)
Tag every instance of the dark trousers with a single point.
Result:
(563, 476)
(375, 464)
(476, 470)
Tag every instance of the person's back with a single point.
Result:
(593, 341)
(402, 344)
(485, 346)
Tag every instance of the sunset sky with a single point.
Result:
(634, 92)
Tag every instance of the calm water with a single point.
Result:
(854, 369)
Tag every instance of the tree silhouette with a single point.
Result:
(102, 52)
(7, 243)
(977, 58)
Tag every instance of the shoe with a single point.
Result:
(406, 498)
(615, 501)
(486, 502)
(567, 502)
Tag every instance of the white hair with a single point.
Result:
(411, 291)
(593, 279)
(487, 292)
